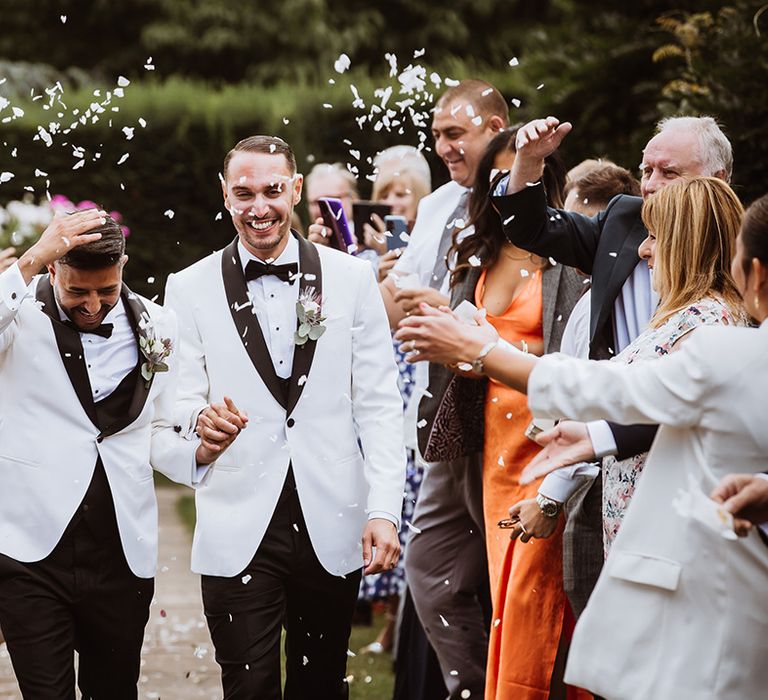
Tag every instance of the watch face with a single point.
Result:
(550, 510)
(549, 507)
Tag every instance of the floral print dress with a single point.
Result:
(620, 477)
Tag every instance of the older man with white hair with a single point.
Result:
(604, 246)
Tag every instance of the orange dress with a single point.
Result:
(529, 603)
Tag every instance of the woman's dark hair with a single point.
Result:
(754, 232)
(488, 238)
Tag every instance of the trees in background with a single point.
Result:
(204, 73)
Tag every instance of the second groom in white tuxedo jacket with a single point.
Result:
(312, 490)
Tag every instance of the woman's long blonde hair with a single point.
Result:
(695, 222)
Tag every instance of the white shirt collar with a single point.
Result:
(290, 253)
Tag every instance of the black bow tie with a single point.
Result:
(104, 330)
(287, 273)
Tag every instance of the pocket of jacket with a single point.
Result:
(645, 569)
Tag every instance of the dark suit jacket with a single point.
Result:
(604, 246)
(461, 411)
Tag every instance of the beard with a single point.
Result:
(261, 242)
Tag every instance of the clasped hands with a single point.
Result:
(218, 425)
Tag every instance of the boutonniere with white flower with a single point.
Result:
(309, 310)
(156, 351)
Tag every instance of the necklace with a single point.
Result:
(529, 256)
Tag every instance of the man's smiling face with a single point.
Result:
(461, 135)
(260, 192)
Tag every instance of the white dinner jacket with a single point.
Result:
(340, 425)
(679, 612)
(49, 443)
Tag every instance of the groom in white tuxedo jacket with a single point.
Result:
(85, 414)
(312, 491)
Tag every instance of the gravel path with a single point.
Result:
(177, 658)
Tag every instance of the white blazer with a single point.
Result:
(340, 425)
(49, 443)
(679, 612)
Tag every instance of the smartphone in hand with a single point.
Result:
(397, 226)
(335, 219)
(362, 214)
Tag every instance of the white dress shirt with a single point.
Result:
(419, 258)
(274, 303)
(108, 360)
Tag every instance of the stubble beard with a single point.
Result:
(259, 243)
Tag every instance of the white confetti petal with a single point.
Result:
(342, 63)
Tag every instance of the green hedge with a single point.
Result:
(175, 160)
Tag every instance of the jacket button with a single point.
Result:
(291, 422)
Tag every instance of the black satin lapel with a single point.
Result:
(311, 276)
(136, 311)
(246, 323)
(70, 349)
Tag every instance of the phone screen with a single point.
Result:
(397, 226)
(335, 219)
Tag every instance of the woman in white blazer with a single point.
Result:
(679, 611)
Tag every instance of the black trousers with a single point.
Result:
(82, 597)
(284, 585)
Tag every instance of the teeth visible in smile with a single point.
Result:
(261, 225)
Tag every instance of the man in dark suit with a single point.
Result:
(604, 246)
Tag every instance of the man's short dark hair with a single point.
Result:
(263, 144)
(601, 184)
(97, 255)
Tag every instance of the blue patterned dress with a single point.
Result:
(390, 583)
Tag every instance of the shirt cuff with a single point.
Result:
(501, 187)
(12, 287)
(561, 484)
(386, 516)
(199, 472)
(603, 442)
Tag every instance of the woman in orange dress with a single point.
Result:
(528, 301)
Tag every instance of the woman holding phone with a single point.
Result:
(679, 609)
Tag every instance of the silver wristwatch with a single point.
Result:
(547, 506)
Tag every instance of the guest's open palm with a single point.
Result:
(567, 443)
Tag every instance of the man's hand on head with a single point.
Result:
(65, 232)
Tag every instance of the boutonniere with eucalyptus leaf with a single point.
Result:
(156, 351)
(309, 309)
